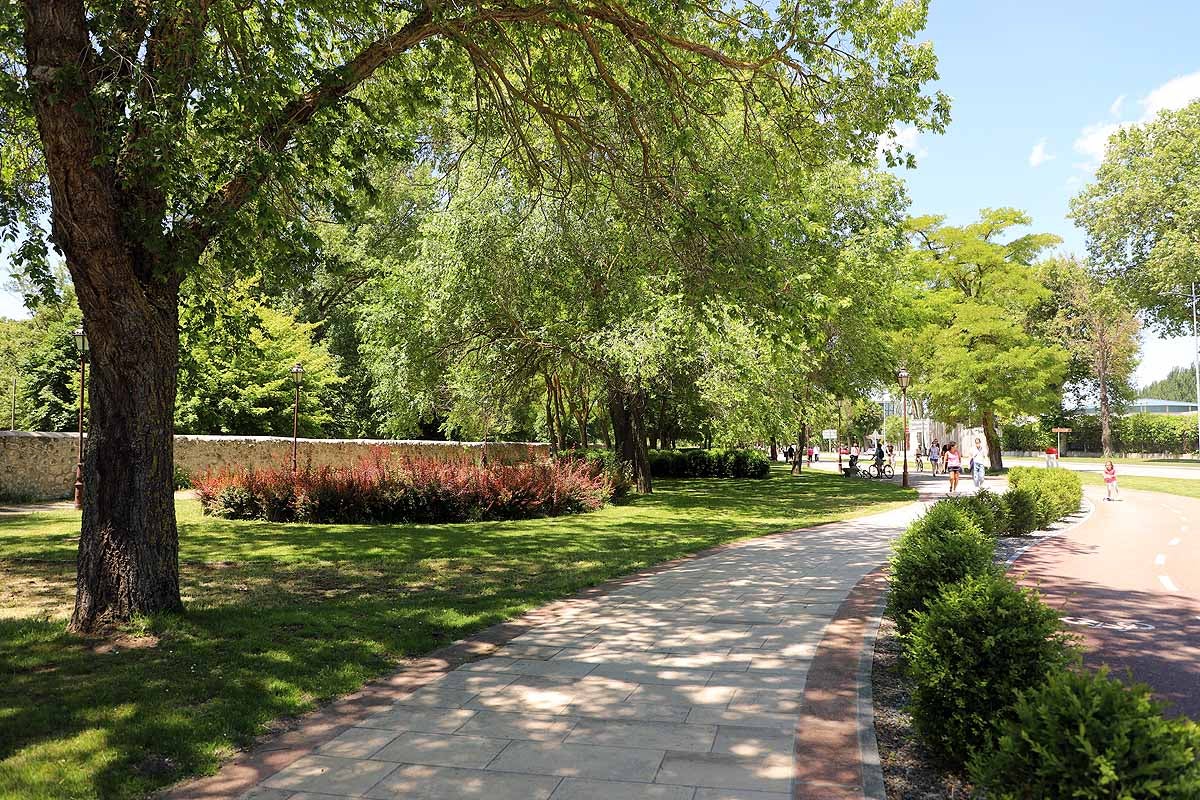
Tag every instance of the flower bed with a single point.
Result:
(407, 490)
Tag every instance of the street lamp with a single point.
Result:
(82, 347)
(297, 372)
(903, 379)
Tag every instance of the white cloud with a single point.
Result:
(1039, 156)
(1093, 141)
(1173, 95)
(906, 136)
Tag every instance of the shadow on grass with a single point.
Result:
(282, 616)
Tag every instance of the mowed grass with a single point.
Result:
(1161, 462)
(1187, 487)
(282, 617)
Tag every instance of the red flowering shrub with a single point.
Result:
(411, 490)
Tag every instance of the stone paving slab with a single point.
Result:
(683, 683)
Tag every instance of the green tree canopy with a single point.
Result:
(1142, 214)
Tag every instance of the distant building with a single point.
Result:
(1152, 405)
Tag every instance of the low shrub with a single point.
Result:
(608, 464)
(1085, 735)
(1059, 491)
(1021, 511)
(731, 463)
(978, 643)
(409, 490)
(985, 510)
(939, 549)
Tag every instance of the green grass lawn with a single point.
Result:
(281, 617)
(1187, 487)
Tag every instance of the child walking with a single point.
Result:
(953, 465)
(1110, 482)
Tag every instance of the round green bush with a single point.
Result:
(1085, 735)
(939, 549)
(994, 503)
(982, 512)
(1021, 511)
(978, 643)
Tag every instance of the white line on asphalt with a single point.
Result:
(1173, 542)
(1159, 560)
(1167, 583)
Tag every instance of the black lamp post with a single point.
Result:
(297, 372)
(81, 346)
(903, 379)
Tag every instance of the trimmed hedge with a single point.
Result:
(731, 463)
(412, 490)
(1021, 505)
(1136, 433)
(986, 509)
(978, 643)
(939, 549)
(1059, 491)
(1088, 736)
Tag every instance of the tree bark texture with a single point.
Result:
(627, 411)
(992, 436)
(128, 543)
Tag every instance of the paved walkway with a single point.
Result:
(684, 683)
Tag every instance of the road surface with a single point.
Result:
(1128, 580)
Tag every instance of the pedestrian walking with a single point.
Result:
(935, 454)
(891, 453)
(953, 465)
(920, 458)
(1111, 492)
(790, 454)
(977, 466)
(810, 455)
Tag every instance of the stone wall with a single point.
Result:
(42, 465)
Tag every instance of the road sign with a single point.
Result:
(829, 433)
(1060, 430)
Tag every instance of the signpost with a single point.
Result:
(1060, 432)
(829, 434)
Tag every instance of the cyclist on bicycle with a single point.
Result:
(879, 456)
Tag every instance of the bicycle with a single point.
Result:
(877, 472)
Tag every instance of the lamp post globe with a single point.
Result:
(903, 378)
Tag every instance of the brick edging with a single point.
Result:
(836, 756)
(273, 752)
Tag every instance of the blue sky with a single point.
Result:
(1036, 88)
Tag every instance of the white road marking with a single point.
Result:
(1167, 583)
(1173, 542)
(1159, 560)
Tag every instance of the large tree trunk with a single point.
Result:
(627, 412)
(128, 547)
(1105, 404)
(128, 544)
(992, 436)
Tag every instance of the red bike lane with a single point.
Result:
(1128, 580)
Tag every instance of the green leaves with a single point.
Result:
(1142, 214)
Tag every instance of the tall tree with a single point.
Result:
(168, 129)
(1142, 214)
(1100, 332)
(971, 343)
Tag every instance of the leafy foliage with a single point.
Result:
(1058, 491)
(979, 642)
(1086, 735)
(409, 491)
(939, 549)
(1021, 510)
(1180, 385)
(1142, 214)
(709, 464)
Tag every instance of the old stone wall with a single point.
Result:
(42, 465)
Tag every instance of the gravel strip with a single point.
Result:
(909, 771)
